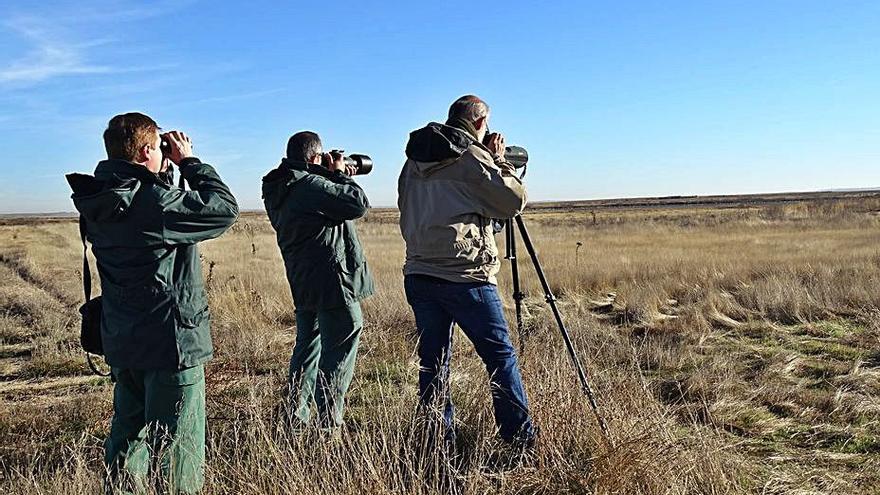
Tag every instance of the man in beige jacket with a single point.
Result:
(450, 189)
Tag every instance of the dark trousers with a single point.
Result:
(322, 363)
(158, 431)
(476, 308)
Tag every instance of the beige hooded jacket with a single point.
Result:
(449, 191)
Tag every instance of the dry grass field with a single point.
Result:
(734, 348)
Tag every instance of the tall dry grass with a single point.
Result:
(732, 351)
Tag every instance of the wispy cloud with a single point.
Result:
(53, 37)
(49, 57)
(234, 97)
(111, 11)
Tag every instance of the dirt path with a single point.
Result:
(38, 348)
(15, 262)
(59, 385)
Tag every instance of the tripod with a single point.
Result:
(518, 297)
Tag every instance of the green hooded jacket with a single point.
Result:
(312, 212)
(143, 234)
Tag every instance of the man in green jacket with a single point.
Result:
(155, 326)
(312, 208)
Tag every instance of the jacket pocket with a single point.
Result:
(350, 264)
(355, 280)
(191, 317)
(191, 305)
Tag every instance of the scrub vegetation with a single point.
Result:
(734, 348)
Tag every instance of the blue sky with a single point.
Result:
(612, 99)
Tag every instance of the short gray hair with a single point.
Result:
(303, 146)
(469, 108)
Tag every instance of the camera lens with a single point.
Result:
(363, 163)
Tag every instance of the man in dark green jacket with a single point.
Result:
(155, 326)
(312, 208)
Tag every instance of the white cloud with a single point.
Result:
(49, 57)
(235, 97)
(53, 34)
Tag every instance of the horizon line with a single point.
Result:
(542, 202)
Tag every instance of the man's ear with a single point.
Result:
(479, 123)
(144, 153)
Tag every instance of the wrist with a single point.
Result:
(187, 161)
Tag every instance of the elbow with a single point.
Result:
(520, 199)
(230, 215)
(357, 211)
(358, 208)
(514, 204)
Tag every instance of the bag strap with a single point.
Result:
(94, 368)
(87, 271)
(87, 286)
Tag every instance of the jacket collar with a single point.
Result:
(298, 166)
(123, 168)
(294, 165)
(463, 125)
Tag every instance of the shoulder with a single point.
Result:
(163, 196)
(479, 160)
(480, 153)
(144, 192)
(311, 188)
(312, 181)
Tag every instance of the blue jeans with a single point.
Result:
(476, 308)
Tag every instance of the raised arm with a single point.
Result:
(204, 212)
(335, 196)
(494, 188)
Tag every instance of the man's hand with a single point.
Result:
(496, 145)
(180, 146)
(335, 161)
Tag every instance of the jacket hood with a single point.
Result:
(278, 181)
(437, 145)
(107, 196)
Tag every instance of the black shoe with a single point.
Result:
(514, 453)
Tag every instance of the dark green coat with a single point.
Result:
(143, 234)
(311, 211)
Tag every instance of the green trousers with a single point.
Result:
(157, 436)
(322, 363)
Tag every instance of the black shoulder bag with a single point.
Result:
(91, 310)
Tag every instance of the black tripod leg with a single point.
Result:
(551, 300)
(518, 295)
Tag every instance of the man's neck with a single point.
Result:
(465, 126)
